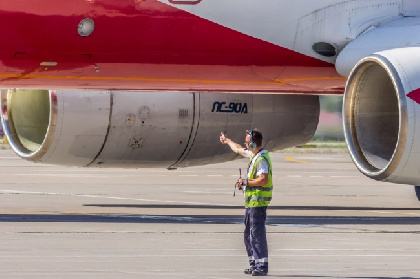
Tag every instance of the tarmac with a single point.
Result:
(326, 220)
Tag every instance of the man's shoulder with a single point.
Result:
(265, 154)
(248, 153)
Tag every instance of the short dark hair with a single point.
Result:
(256, 136)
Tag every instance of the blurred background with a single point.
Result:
(330, 127)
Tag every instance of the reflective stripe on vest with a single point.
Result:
(250, 188)
(258, 198)
(260, 195)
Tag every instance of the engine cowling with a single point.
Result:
(148, 129)
(381, 111)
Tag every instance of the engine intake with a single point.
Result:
(28, 116)
(380, 119)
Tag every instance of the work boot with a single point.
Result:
(259, 272)
(248, 271)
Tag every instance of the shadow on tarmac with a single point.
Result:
(337, 277)
(272, 220)
(199, 206)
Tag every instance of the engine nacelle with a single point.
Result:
(148, 129)
(381, 115)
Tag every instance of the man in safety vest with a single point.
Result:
(258, 187)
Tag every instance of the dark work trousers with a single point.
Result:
(255, 237)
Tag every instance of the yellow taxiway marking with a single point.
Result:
(291, 159)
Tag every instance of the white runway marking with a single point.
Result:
(88, 175)
(343, 176)
(81, 175)
(206, 192)
(210, 255)
(105, 197)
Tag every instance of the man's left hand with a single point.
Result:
(241, 182)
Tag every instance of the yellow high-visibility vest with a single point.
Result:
(256, 196)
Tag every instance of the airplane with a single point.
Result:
(152, 83)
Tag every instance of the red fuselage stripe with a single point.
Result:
(145, 45)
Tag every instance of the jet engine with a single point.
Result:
(381, 102)
(381, 115)
(148, 129)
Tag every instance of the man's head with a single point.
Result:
(253, 139)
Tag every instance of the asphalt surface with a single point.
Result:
(326, 221)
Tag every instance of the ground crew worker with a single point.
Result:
(258, 188)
